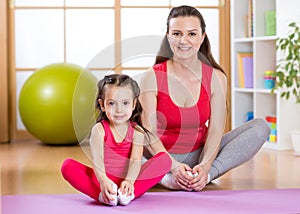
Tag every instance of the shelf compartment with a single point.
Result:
(241, 47)
(259, 15)
(265, 105)
(265, 59)
(241, 10)
(243, 105)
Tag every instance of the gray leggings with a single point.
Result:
(237, 147)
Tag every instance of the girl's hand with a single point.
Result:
(181, 177)
(127, 187)
(108, 188)
(200, 181)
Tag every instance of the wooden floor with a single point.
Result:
(34, 168)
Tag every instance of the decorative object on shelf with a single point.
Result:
(245, 69)
(270, 22)
(288, 68)
(272, 124)
(269, 79)
(249, 116)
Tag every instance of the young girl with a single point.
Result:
(116, 143)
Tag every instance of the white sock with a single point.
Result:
(208, 178)
(191, 174)
(124, 199)
(113, 202)
(169, 182)
(196, 174)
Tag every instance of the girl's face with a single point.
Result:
(185, 36)
(118, 103)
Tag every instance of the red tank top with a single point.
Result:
(182, 129)
(117, 155)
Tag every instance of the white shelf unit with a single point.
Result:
(259, 100)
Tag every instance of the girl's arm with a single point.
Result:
(97, 149)
(135, 163)
(215, 128)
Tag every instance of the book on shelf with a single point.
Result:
(245, 70)
(270, 22)
(249, 20)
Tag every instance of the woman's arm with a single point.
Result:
(215, 128)
(217, 120)
(148, 99)
(97, 149)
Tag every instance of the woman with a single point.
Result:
(184, 101)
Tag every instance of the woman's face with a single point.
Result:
(185, 37)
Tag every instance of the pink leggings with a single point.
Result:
(83, 178)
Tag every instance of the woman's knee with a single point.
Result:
(262, 128)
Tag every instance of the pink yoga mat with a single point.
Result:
(175, 202)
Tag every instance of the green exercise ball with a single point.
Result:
(49, 98)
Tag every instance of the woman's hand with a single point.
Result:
(127, 187)
(199, 181)
(181, 177)
(107, 188)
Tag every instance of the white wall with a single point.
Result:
(287, 11)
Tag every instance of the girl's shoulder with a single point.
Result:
(98, 128)
(138, 135)
(137, 129)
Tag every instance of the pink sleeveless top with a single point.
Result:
(182, 129)
(117, 155)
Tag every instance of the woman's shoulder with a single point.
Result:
(219, 79)
(220, 75)
(160, 66)
(148, 80)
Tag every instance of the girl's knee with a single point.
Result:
(160, 163)
(67, 166)
(164, 157)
